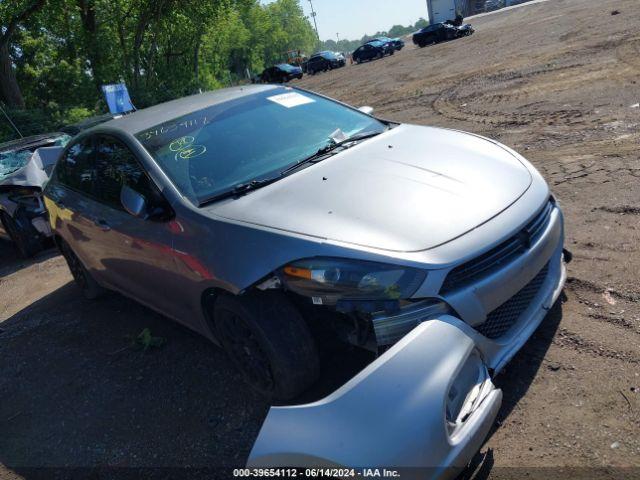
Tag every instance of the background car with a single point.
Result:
(438, 32)
(25, 166)
(281, 73)
(369, 51)
(323, 61)
(465, 30)
(392, 44)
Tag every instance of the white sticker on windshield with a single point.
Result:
(290, 100)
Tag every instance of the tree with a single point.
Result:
(14, 13)
(60, 52)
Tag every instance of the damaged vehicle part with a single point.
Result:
(425, 404)
(25, 166)
(398, 239)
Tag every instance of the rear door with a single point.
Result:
(136, 253)
(70, 198)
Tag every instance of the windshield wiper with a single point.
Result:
(244, 188)
(239, 190)
(324, 152)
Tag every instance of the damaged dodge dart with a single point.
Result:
(270, 219)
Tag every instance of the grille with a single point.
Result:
(505, 316)
(507, 251)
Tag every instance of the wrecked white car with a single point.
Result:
(25, 166)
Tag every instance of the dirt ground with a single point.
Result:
(557, 81)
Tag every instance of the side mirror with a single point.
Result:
(366, 110)
(134, 203)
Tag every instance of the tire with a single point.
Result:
(358, 60)
(82, 277)
(24, 236)
(269, 342)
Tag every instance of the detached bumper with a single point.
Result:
(425, 406)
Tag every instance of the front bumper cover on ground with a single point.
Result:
(396, 413)
(393, 413)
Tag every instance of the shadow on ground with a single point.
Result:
(10, 260)
(77, 392)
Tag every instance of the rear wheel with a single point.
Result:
(82, 277)
(23, 235)
(269, 342)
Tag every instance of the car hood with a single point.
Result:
(409, 189)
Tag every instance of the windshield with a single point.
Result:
(212, 150)
(285, 67)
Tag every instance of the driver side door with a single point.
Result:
(136, 253)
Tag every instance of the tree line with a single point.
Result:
(56, 54)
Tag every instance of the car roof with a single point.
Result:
(150, 117)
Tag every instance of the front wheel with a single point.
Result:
(269, 342)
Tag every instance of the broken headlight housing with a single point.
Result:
(330, 280)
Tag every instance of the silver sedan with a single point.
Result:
(273, 220)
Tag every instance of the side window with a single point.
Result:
(77, 168)
(117, 166)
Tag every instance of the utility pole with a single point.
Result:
(313, 15)
(338, 35)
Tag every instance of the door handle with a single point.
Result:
(102, 224)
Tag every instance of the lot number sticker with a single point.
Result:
(290, 100)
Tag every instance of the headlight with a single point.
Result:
(329, 280)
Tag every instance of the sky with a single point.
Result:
(352, 19)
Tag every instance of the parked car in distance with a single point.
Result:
(25, 166)
(268, 218)
(369, 51)
(465, 30)
(323, 61)
(392, 44)
(438, 32)
(281, 73)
